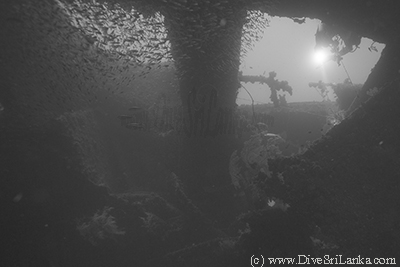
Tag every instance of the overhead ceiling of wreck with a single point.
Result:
(375, 19)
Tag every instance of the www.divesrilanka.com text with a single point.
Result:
(260, 260)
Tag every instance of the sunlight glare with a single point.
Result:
(320, 56)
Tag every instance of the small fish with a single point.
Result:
(134, 126)
(299, 20)
(134, 108)
(122, 117)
